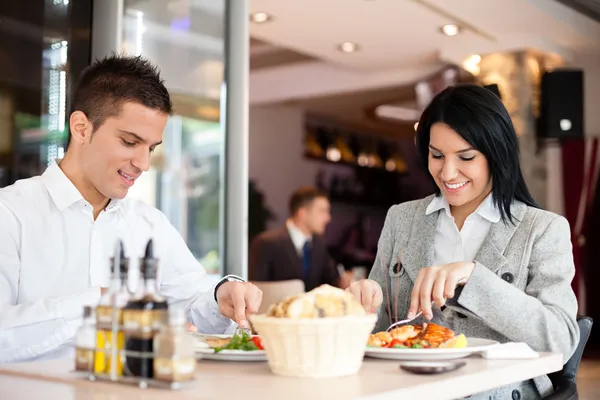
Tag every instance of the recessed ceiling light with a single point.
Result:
(450, 30)
(348, 47)
(260, 17)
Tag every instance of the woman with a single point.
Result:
(480, 246)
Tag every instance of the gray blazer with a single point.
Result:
(520, 289)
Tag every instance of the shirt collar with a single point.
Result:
(62, 191)
(439, 202)
(297, 236)
(486, 209)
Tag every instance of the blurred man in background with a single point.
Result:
(298, 249)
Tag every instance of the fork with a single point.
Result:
(406, 321)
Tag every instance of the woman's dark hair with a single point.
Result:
(479, 117)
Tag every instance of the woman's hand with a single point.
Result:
(368, 293)
(437, 284)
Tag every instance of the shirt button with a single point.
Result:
(516, 395)
(508, 277)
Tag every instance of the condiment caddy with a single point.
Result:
(135, 338)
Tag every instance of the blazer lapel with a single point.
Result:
(491, 252)
(418, 251)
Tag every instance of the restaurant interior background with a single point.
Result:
(335, 89)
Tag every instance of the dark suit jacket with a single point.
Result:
(273, 257)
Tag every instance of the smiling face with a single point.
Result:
(461, 172)
(117, 153)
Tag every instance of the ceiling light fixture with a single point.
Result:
(260, 17)
(450, 30)
(348, 47)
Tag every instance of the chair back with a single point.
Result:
(276, 291)
(569, 371)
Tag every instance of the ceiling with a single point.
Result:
(591, 8)
(267, 55)
(393, 33)
(400, 44)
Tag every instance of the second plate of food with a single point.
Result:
(424, 342)
(229, 348)
(474, 346)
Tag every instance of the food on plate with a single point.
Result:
(239, 341)
(425, 336)
(457, 342)
(323, 302)
(218, 342)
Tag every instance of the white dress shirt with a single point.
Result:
(298, 237)
(54, 258)
(452, 245)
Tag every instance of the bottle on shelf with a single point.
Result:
(174, 355)
(110, 339)
(143, 317)
(85, 341)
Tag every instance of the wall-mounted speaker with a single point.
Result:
(561, 104)
(494, 89)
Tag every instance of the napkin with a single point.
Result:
(509, 351)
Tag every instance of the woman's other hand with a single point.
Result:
(368, 293)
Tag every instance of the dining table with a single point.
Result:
(376, 379)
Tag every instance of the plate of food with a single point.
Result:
(237, 347)
(424, 342)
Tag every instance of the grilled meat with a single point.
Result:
(426, 335)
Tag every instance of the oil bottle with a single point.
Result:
(109, 318)
(143, 317)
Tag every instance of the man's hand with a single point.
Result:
(237, 300)
(437, 284)
(368, 293)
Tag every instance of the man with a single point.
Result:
(298, 249)
(57, 230)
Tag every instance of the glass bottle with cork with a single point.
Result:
(85, 341)
(110, 339)
(142, 318)
(174, 354)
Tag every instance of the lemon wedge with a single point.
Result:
(457, 342)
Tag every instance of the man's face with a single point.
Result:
(119, 151)
(317, 215)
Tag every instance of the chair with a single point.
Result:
(276, 291)
(565, 381)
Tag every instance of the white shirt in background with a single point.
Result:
(54, 258)
(299, 239)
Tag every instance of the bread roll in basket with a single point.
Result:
(319, 334)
